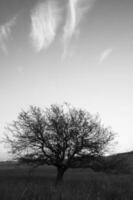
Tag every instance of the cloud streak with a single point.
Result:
(45, 19)
(105, 54)
(75, 13)
(5, 32)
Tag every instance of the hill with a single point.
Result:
(121, 163)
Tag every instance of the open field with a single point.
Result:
(79, 184)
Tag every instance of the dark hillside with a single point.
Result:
(121, 163)
(116, 163)
(78, 183)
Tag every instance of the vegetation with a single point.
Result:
(61, 136)
(71, 141)
(79, 184)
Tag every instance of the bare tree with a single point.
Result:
(60, 136)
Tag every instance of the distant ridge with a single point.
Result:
(120, 163)
(116, 163)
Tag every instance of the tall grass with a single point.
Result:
(16, 185)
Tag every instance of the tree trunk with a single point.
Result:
(59, 177)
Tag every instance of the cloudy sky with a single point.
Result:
(76, 51)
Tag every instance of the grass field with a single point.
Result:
(79, 184)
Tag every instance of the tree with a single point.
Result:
(59, 135)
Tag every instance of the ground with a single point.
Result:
(79, 184)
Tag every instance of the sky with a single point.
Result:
(75, 51)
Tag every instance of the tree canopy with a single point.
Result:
(59, 135)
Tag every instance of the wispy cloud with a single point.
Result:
(5, 32)
(45, 18)
(76, 11)
(105, 54)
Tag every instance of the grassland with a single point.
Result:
(79, 184)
